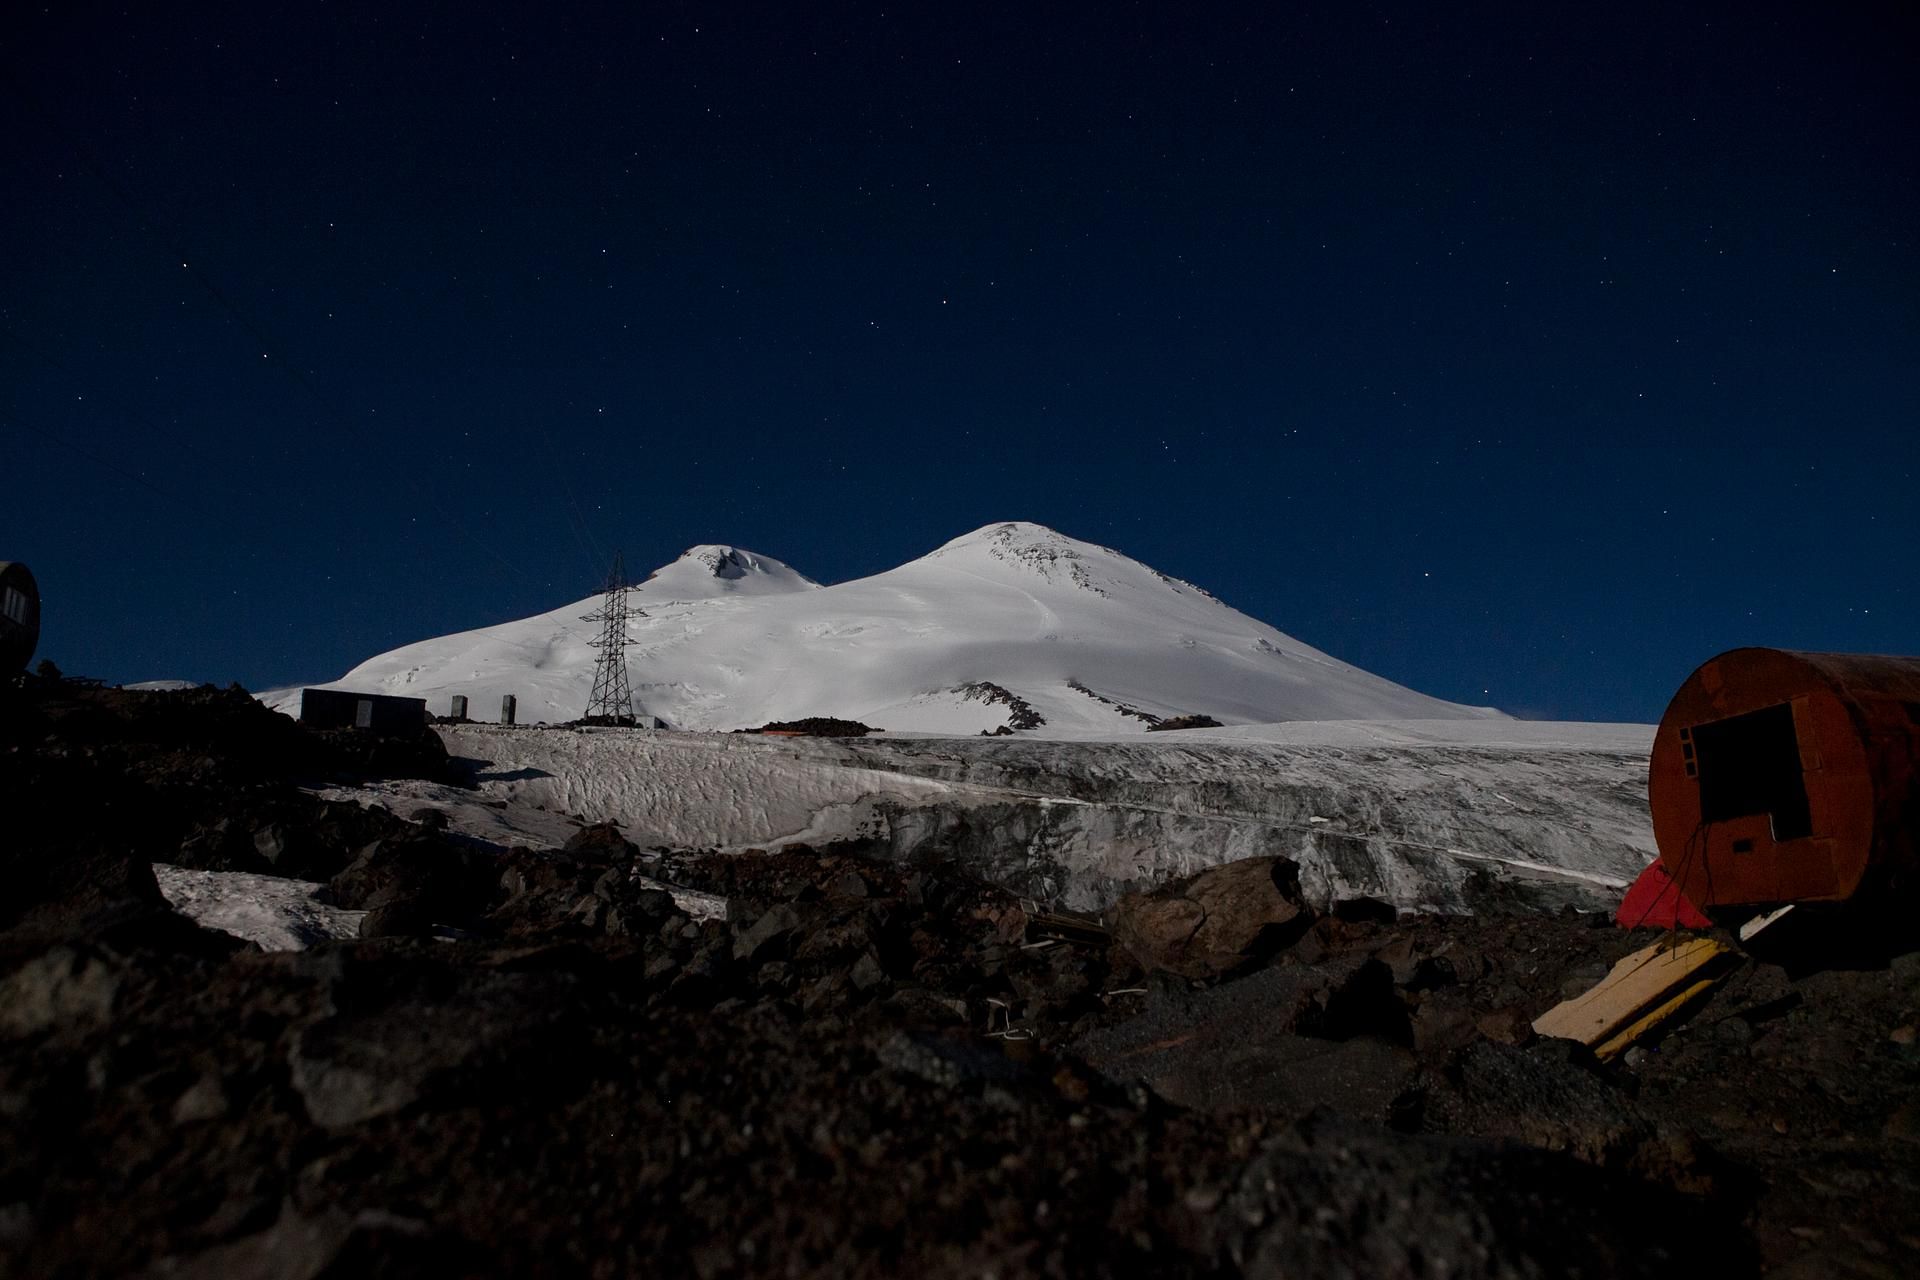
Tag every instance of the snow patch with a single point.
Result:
(275, 913)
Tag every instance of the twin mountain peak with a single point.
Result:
(1080, 638)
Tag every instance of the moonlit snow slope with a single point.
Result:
(1094, 642)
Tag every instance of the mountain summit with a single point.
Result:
(710, 571)
(1046, 554)
(1013, 625)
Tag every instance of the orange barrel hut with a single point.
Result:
(1787, 777)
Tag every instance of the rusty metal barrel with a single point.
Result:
(1789, 777)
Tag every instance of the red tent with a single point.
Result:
(1655, 902)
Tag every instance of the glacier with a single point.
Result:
(1434, 816)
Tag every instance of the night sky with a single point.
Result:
(1527, 356)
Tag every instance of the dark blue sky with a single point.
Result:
(1524, 356)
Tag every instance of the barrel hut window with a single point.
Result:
(363, 714)
(15, 605)
(1750, 764)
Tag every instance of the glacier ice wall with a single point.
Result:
(1440, 816)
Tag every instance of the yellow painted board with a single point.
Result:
(1637, 982)
(1623, 1039)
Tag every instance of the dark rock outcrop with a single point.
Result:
(1287, 1039)
(1331, 1197)
(1172, 723)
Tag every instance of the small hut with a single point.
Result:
(1789, 777)
(19, 616)
(376, 712)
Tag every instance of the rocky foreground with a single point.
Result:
(534, 1062)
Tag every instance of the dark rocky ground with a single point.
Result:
(535, 1064)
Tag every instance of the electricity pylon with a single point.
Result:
(612, 698)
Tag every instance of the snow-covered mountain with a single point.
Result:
(1007, 625)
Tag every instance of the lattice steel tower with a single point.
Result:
(612, 699)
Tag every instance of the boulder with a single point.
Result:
(400, 918)
(1332, 1197)
(451, 882)
(296, 836)
(768, 936)
(330, 1242)
(601, 844)
(1553, 1095)
(1286, 1039)
(1217, 922)
(640, 911)
(411, 1030)
(63, 986)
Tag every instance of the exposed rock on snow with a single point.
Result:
(1186, 722)
(1145, 717)
(1020, 712)
(1085, 638)
(711, 571)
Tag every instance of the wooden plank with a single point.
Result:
(1652, 1019)
(1634, 986)
(1758, 923)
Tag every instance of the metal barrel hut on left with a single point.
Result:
(19, 615)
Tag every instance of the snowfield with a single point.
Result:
(1094, 642)
(1446, 816)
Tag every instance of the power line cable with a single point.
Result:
(582, 531)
